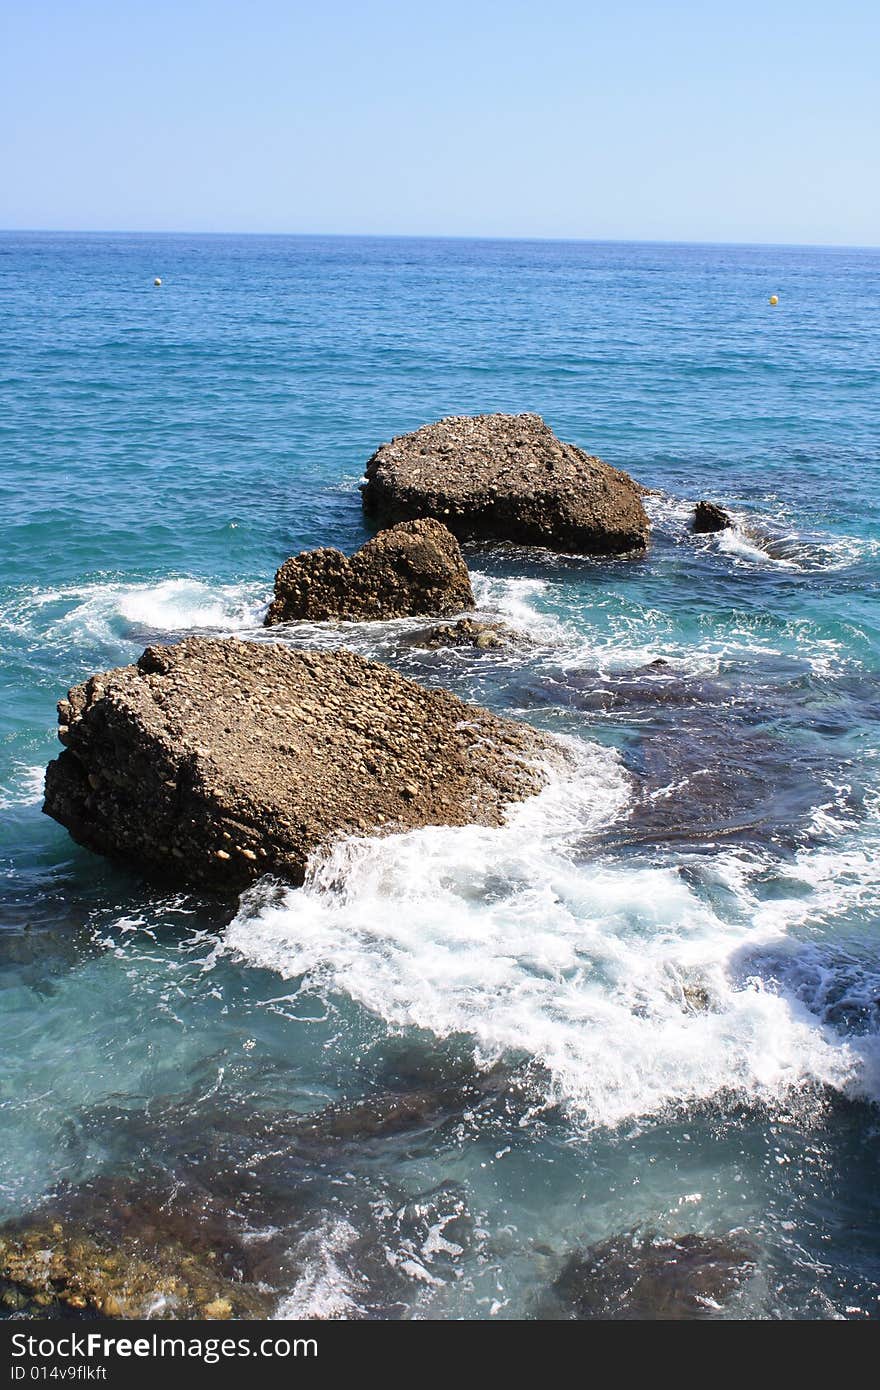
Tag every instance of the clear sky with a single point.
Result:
(748, 120)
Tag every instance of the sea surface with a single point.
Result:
(648, 1005)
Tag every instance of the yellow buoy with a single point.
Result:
(157, 281)
(774, 298)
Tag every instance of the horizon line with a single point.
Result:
(439, 236)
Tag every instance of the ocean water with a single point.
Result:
(651, 1001)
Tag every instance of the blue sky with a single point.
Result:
(670, 120)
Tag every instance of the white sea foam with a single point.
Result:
(597, 640)
(635, 986)
(617, 633)
(325, 1287)
(106, 613)
(177, 604)
(23, 787)
(749, 545)
(741, 547)
(672, 514)
(762, 539)
(514, 599)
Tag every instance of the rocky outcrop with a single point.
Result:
(413, 568)
(213, 761)
(507, 477)
(710, 517)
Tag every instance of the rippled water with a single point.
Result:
(457, 1058)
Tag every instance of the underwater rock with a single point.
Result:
(389, 1113)
(709, 517)
(705, 774)
(221, 1147)
(415, 567)
(643, 1277)
(507, 477)
(711, 758)
(215, 761)
(377, 1117)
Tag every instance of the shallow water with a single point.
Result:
(651, 1001)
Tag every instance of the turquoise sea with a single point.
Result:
(675, 951)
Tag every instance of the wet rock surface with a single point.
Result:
(214, 761)
(642, 1277)
(115, 1252)
(467, 632)
(507, 477)
(412, 568)
(710, 517)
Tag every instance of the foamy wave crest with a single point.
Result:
(749, 546)
(636, 988)
(514, 600)
(742, 548)
(178, 604)
(23, 787)
(760, 539)
(754, 545)
(115, 611)
(617, 633)
(669, 513)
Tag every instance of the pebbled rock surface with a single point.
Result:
(507, 477)
(214, 761)
(710, 517)
(413, 568)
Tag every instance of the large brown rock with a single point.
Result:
(213, 761)
(507, 477)
(413, 568)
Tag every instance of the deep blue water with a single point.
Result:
(678, 947)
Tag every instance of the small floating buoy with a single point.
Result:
(774, 298)
(157, 282)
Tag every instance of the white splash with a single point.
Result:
(635, 987)
(741, 547)
(615, 633)
(182, 604)
(114, 612)
(325, 1288)
(24, 787)
(517, 600)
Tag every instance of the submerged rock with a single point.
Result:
(392, 1112)
(507, 477)
(215, 761)
(413, 568)
(651, 1277)
(709, 517)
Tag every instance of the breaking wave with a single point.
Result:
(106, 614)
(635, 986)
